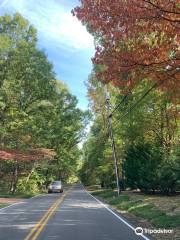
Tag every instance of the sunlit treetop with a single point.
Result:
(135, 40)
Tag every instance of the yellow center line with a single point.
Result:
(38, 223)
(37, 229)
(46, 220)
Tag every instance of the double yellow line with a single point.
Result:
(37, 229)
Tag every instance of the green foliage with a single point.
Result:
(31, 185)
(146, 140)
(141, 166)
(36, 110)
(146, 169)
(169, 175)
(97, 165)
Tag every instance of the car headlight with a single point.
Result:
(50, 187)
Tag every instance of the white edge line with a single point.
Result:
(10, 205)
(43, 194)
(20, 202)
(129, 225)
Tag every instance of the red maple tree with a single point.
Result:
(135, 40)
(33, 155)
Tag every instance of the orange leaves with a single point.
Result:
(137, 37)
(16, 155)
(33, 155)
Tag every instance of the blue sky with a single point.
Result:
(67, 43)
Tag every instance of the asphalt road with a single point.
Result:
(74, 215)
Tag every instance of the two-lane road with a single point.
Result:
(75, 215)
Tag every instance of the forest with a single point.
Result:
(137, 62)
(40, 123)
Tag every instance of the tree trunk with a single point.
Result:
(31, 172)
(14, 179)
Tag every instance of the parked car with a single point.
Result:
(55, 186)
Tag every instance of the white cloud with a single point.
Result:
(3, 3)
(53, 22)
(70, 31)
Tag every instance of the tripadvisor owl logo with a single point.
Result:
(138, 231)
(141, 231)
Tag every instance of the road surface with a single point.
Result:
(73, 215)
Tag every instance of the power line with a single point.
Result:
(110, 127)
(132, 107)
(124, 99)
(139, 100)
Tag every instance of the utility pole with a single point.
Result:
(113, 142)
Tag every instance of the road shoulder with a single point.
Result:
(137, 221)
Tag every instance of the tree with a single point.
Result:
(98, 167)
(135, 40)
(146, 139)
(40, 123)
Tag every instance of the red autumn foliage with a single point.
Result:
(135, 40)
(33, 155)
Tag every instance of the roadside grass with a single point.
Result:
(17, 195)
(144, 206)
(2, 205)
(105, 194)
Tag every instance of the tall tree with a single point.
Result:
(135, 39)
(39, 116)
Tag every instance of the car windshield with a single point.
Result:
(56, 183)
